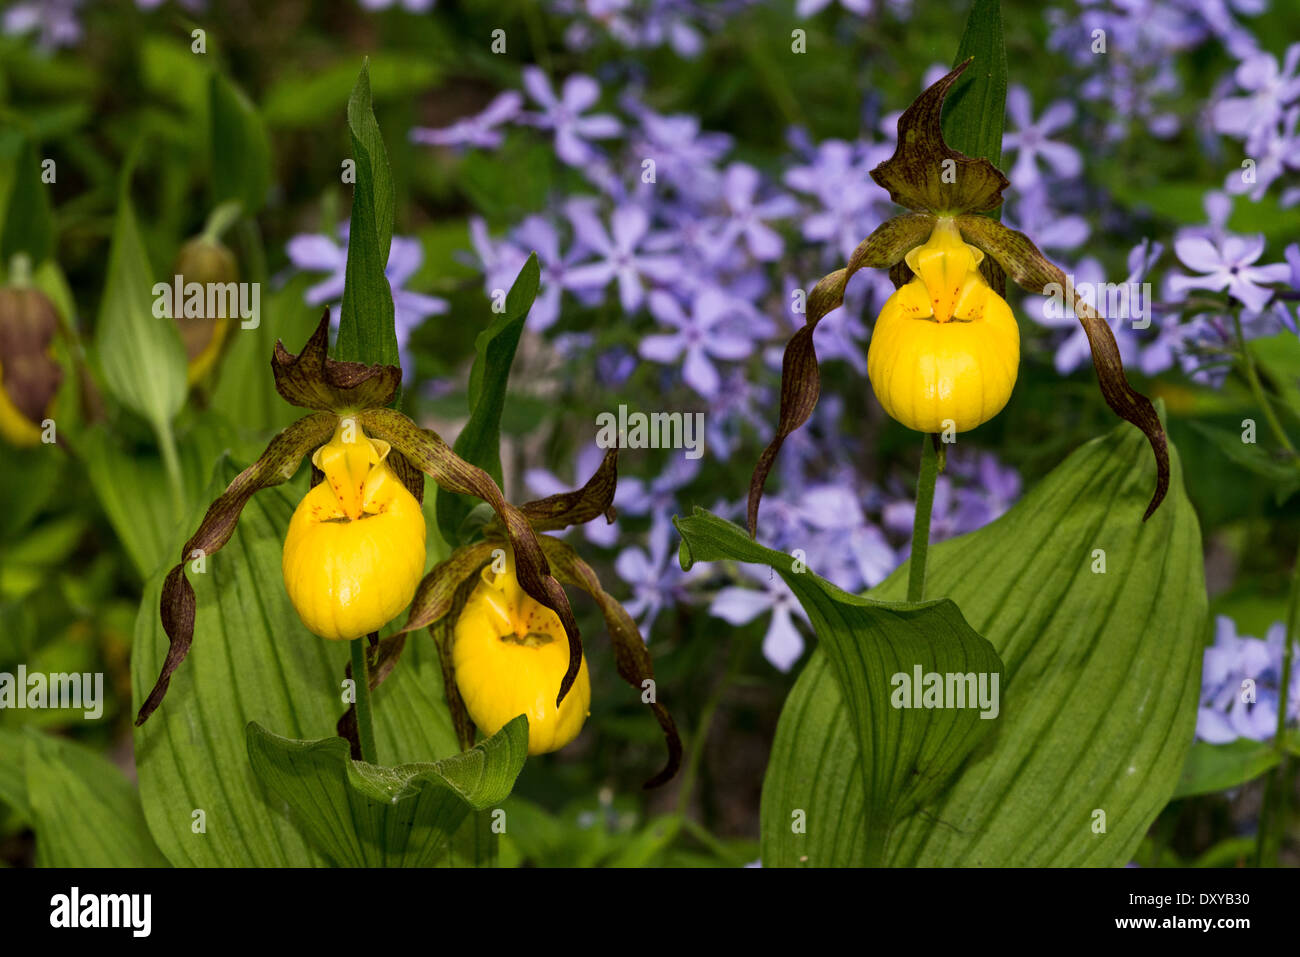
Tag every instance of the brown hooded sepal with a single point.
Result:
(1016, 253)
(435, 597)
(593, 500)
(630, 653)
(277, 464)
(925, 174)
(312, 380)
(800, 376)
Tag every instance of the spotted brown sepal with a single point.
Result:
(277, 464)
(1034, 272)
(800, 376)
(925, 174)
(630, 653)
(312, 380)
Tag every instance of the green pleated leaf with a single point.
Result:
(363, 815)
(83, 810)
(479, 442)
(1099, 692)
(28, 223)
(241, 151)
(252, 660)
(976, 107)
(910, 752)
(366, 330)
(141, 355)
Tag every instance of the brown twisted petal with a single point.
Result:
(431, 455)
(1034, 272)
(594, 499)
(926, 174)
(800, 377)
(312, 380)
(435, 595)
(630, 653)
(444, 635)
(277, 464)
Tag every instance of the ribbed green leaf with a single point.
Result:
(252, 660)
(83, 810)
(1099, 693)
(976, 108)
(909, 752)
(366, 330)
(241, 151)
(362, 815)
(140, 355)
(479, 442)
(28, 223)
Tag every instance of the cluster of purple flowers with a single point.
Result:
(1241, 685)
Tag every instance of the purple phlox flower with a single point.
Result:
(1277, 151)
(540, 234)
(1228, 264)
(499, 260)
(615, 366)
(839, 180)
(709, 330)
(1089, 281)
(783, 644)
(54, 22)
(655, 577)
(1235, 670)
(853, 553)
(1032, 140)
(320, 253)
(411, 6)
(1269, 91)
(658, 496)
(837, 334)
(807, 8)
(736, 406)
(542, 483)
(621, 254)
(747, 216)
(685, 157)
(989, 488)
(479, 130)
(565, 114)
(1052, 229)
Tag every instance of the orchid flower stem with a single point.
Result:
(921, 524)
(1272, 816)
(365, 717)
(1252, 376)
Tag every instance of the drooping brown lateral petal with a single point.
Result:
(435, 596)
(630, 653)
(443, 632)
(594, 499)
(313, 380)
(800, 376)
(278, 464)
(431, 455)
(1034, 272)
(926, 174)
(383, 660)
(411, 477)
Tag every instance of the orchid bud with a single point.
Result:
(202, 260)
(29, 375)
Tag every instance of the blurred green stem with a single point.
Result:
(921, 524)
(1272, 815)
(1252, 376)
(365, 717)
(172, 465)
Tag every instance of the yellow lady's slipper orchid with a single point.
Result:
(354, 552)
(29, 374)
(946, 348)
(510, 653)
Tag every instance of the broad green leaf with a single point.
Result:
(241, 152)
(1284, 476)
(479, 442)
(1218, 767)
(252, 660)
(366, 330)
(1099, 693)
(84, 811)
(910, 752)
(141, 355)
(363, 815)
(976, 108)
(28, 224)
